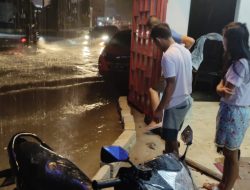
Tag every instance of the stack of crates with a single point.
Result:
(145, 67)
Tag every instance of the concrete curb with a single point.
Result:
(126, 140)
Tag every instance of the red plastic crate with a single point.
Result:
(145, 57)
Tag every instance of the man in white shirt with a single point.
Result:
(155, 91)
(176, 101)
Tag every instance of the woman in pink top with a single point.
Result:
(234, 113)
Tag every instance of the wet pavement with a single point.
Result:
(74, 119)
(202, 119)
(54, 59)
(82, 119)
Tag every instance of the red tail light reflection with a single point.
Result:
(23, 40)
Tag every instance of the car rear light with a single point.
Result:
(23, 40)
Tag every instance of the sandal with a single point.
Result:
(213, 186)
(154, 125)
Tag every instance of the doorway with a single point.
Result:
(208, 16)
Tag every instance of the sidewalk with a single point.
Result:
(202, 120)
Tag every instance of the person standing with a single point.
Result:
(233, 117)
(176, 101)
(156, 90)
(178, 38)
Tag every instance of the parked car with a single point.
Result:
(115, 58)
(12, 40)
(11, 34)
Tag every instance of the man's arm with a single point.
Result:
(188, 41)
(167, 94)
(234, 78)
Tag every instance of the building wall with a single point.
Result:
(178, 15)
(110, 8)
(98, 9)
(181, 9)
(16, 14)
(72, 13)
(119, 8)
(242, 12)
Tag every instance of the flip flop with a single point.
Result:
(214, 186)
(153, 125)
(157, 131)
(211, 186)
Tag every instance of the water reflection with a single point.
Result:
(86, 37)
(85, 43)
(77, 129)
(55, 59)
(74, 131)
(85, 52)
(43, 45)
(101, 44)
(71, 109)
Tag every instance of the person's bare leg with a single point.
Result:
(153, 125)
(233, 168)
(225, 176)
(172, 147)
(155, 100)
(226, 168)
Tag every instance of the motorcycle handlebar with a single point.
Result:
(105, 183)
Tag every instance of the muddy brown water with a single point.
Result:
(74, 120)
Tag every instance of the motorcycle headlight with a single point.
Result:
(86, 37)
(105, 38)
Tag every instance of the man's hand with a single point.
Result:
(168, 92)
(157, 115)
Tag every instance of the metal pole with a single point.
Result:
(90, 15)
(79, 12)
(30, 22)
(44, 17)
(17, 14)
(91, 18)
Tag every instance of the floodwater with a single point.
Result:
(55, 59)
(76, 120)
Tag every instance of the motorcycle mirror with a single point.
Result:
(111, 154)
(187, 135)
(9, 178)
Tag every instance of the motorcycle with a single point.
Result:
(35, 166)
(165, 172)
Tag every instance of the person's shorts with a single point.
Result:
(173, 119)
(231, 125)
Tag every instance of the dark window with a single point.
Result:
(122, 38)
(7, 15)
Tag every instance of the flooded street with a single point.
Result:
(55, 59)
(81, 120)
(76, 119)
